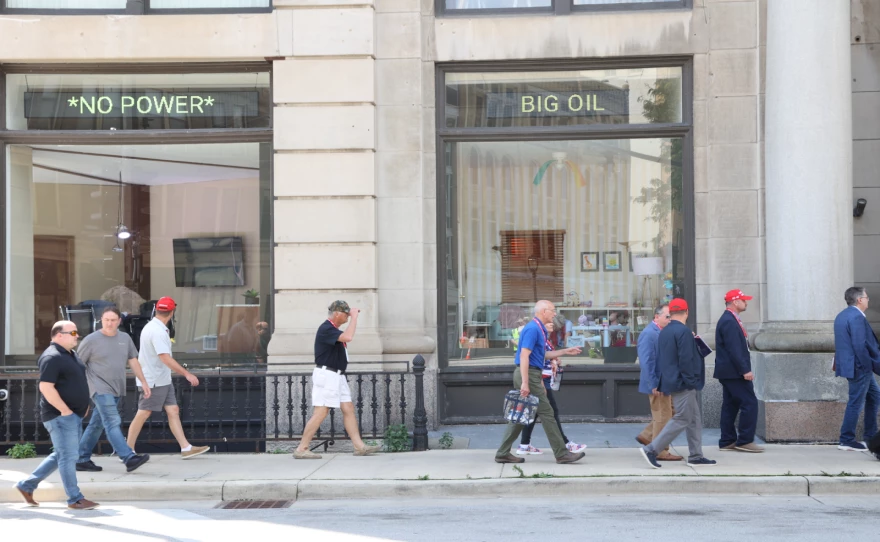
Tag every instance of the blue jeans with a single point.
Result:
(105, 416)
(863, 393)
(65, 432)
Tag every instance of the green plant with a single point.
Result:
(542, 475)
(396, 438)
(278, 451)
(425, 477)
(251, 293)
(22, 450)
(370, 442)
(446, 440)
(520, 471)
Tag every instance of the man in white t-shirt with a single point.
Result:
(157, 364)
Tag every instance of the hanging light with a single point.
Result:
(121, 231)
(117, 248)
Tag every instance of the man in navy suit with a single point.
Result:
(649, 381)
(682, 374)
(855, 352)
(733, 368)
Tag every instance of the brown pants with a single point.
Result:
(661, 413)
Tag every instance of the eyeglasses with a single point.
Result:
(73, 333)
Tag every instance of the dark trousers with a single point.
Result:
(527, 432)
(739, 398)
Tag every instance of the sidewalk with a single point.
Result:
(781, 470)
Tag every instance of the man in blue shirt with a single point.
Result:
(529, 359)
(682, 374)
(856, 351)
(649, 381)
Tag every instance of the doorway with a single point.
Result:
(53, 281)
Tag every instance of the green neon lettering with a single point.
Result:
(127, 103)
(163, 103)
(109, 105)
(180, 105)
(83, 104)
(571, 106)
(193, 105)
(144, 99)
(528, 104)
(595, 105)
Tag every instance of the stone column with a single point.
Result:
(809, 228)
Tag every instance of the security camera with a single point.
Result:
(4, 395)
(859, 209)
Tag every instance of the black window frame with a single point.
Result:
(444, 135)
(562, 7)
(140, 137)
(133, 7)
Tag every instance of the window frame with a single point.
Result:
(444, 135)
(137, 137)
(132, 8)
(562, 7)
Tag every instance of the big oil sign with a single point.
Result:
(598, 103)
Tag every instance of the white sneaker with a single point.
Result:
(574, 447)
(528, 450)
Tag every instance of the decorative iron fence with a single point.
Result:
(242, 408)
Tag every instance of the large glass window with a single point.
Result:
(66, 4)
(560, 7)
(94, 225)
(594, 226)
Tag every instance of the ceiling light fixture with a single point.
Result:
(121, 231)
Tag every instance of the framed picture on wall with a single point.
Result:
(611, 260)
(589, 261)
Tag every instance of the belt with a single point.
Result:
(337, 371)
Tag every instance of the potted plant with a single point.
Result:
(251, 297)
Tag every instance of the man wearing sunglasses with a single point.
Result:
(64, 402)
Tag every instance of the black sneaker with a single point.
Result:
(701, 462)
(651, 458)
(89, 466)
(853, 446)
(136, 461)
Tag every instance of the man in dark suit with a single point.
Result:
(733, 368)
(682, 374)
(855, 352)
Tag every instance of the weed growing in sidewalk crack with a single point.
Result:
(542, 475)
(425, 477)
(520, 471)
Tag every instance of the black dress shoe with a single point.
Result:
(89, 466)
(136, 461)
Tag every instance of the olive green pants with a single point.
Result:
(545, 412)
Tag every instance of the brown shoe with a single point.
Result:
(194, 451)
(728, 448)
(750, 447)
(510, 458)
(28, 497)
(367, 450)
(305, 454)
(83, 504)
(642, 441)
(570, 458)
(666, 456)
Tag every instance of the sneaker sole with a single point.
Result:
(702, 464)
(849, 449)
(195, 454)
(647, 460)
(85, 508)
(749, 451)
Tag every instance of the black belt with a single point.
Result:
(332, 370)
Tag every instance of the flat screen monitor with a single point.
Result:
(209, 261)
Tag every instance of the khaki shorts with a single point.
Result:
(160, 397)
(329, 389)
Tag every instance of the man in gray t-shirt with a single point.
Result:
(105, 354)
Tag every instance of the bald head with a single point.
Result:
(545, 311)
(64, 334)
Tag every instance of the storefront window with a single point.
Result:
(559, 6)
(208, 4)
(66, 4)
(192, 213)
(594, 224)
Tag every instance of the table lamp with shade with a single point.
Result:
(647, 268)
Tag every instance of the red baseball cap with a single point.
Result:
(165, 304)
(678, 305)
(733, 295)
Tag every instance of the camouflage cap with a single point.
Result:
(339, 306)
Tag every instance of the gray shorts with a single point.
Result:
(160, 397)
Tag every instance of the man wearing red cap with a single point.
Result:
(682, 374)
(733, 368)
(157, 364)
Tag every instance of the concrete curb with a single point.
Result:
(231, 490)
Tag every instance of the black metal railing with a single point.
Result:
(242, 407)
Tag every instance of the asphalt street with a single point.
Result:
(515, 518)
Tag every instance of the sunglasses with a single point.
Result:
(73, 333)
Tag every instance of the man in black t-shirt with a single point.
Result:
(64, 402)
(329, 385)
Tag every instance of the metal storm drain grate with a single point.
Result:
(251, 505)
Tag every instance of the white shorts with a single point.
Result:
(329, 389)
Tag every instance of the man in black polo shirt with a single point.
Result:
(329, 385)
(64, 402)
